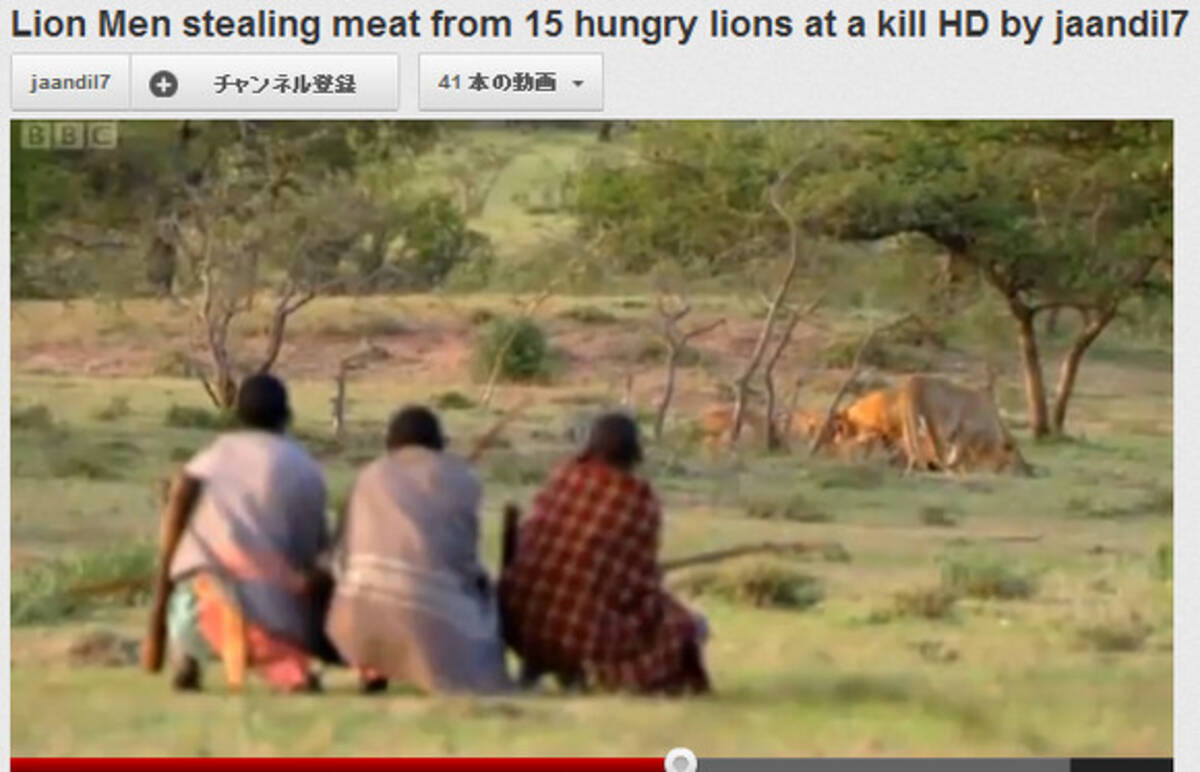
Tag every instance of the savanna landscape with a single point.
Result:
(536, 273)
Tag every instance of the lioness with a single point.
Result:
(951, 427)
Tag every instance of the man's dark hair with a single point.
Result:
(614, 440)
(262, 403)
(415, 425)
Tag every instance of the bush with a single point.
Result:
(521, 347)
(878, 354)
(795, 508)
(115, 410)
(589, 315)
(754, 583)
(1117, 635)
(986, 578)
(653, 351)
(937, 516)
(187, 417)
(924, 603)
(34, 417)
(62, 589)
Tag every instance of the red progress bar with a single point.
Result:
(335, 765)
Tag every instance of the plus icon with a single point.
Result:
(164, 83)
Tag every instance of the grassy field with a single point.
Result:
(985, 615)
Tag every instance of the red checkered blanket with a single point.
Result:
(585, 591)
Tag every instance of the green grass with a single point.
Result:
(870, 656)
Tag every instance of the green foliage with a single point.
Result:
(757, 583)
(188, 417)
(695, 191)
(986, 578)
(436, 241)
(58, 590)
(519, 346)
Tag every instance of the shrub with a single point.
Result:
(589, 315)
(754, 583)
(1115, 635)
(34, 417)
(924, 603)
(653, 351)
(115, 410)
(58, 590)
(795, 508)
(520, 346)
(986, 578)
(453, 400)
(187, 417)
(937, 516)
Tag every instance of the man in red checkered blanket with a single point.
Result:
(583, 597)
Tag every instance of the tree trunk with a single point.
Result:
(1031, 362)
(1070, 366)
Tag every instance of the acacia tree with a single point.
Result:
(1051, 215)
(260, 228)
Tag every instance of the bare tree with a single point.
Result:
(368, 352)
(774, 305)
(672, 311)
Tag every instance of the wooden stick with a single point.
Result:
(485, 441)
(746, 549)
(176, 515)
(508, 537)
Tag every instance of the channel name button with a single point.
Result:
(69, 82)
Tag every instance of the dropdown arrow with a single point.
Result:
(577, 83)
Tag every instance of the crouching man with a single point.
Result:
(247, 582)
(412, 603)
(583, 596)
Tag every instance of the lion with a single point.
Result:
(716, 424)
(950, 427)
